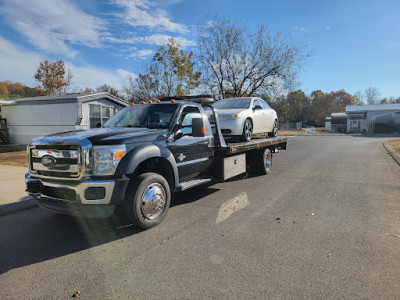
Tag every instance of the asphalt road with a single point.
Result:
(338, 237)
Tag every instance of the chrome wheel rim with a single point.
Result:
(248, 129)
(153, 201)
(267, 160)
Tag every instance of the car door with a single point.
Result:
(269, 116)
(193, 155)
(258, 117)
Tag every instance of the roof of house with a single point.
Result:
(71, 97)
(372, 107)
(339, 115)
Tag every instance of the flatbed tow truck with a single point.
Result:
(129, 167)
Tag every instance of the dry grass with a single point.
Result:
(18, 158)
(290, 132)
(395, 145)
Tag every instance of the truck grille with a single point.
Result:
(56, 161)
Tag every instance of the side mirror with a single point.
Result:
(257, 107)
(198, 129)
(98, 124)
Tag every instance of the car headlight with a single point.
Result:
(230, 117)
(107, 158)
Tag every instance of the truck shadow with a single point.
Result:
(36, 235)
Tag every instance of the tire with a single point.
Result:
(140, 207)
(247, 131)
(274, 131)
(262, 162)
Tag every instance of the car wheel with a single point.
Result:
(247, 131)
(147, 200)
(274, 131)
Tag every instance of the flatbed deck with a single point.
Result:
(279, 142)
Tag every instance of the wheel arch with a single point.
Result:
(150, 158)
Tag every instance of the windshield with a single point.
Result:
(149, 116)
(232, 103)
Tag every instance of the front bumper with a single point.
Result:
(90, 198)
(232, 127)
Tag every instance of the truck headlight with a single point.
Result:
(107, 158)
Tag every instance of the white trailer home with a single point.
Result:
(28, 118)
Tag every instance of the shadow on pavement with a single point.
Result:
(35, 235)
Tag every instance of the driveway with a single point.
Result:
(12, 184)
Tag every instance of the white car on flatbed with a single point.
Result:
(246, 117)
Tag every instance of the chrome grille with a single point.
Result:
(56, 161)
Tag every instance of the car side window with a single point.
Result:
(264, 104)
(256, 103)
(188, 114)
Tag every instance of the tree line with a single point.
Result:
(230, 60)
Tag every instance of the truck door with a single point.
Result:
(193, 155)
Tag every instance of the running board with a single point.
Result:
(185, 185)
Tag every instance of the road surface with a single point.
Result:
(324, 224)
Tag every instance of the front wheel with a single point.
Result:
(274, 131)
(247, 131)
(147, 200)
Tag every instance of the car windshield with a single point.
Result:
(232, 103)
(149, 116)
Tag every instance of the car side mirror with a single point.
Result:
(198, 129)
(257, 107)
(98, 124)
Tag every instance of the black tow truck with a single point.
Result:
(129, 167)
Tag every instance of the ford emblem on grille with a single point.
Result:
(48, 161)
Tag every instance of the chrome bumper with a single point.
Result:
(79, 188)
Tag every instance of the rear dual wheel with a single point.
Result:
(260, 161)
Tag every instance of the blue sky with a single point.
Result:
(356, 44)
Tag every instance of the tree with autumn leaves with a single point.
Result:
(311, 110)
(171, 72)
(52, 77)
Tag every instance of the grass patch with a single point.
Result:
(395, 145)
(18, 158)
(290, 132)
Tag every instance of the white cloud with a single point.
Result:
(17, 65)
(299, 28)
(154, 39)
(162, 39)
(20, 66)
(90, 76)
(53, 25)
(149, 14)
(143, 53)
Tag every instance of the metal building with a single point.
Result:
(374, 118)
(28, 118)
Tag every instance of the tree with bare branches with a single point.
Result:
(233, 58)
(372, 95)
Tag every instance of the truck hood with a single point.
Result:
(104, 136)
